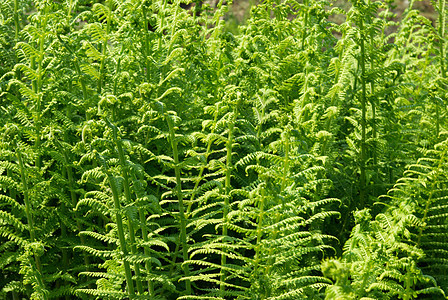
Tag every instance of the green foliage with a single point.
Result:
(149, 152)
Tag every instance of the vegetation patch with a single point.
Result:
(159, 150)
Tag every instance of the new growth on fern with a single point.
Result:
(158, 153)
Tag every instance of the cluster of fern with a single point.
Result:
(149, 152)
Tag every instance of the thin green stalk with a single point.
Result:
(162, 24)
(134, 252)
(28, 209)
(259, 125)
(139, 192)
(437, 118)
(37, 86)
(442, 5)
(408, 284)
(64, 250)
(16, 20)
(29, 218)
(117, 72)
(228, 188)
(146, 49)
(121, 237)
(305, 27)
(441, 28)
(127, 194)
(363, 117)
(71, 186)
(74, 200)
(69, 10)
(284, 179)
(16, 35)
(259, 228)
(12, 191)
(201, 171)
(183, 219)
(104, 49)
(373, 104)
(146, 250)
(77, 67)
(286, 160)
(64, 235)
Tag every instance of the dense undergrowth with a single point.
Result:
(146, 152)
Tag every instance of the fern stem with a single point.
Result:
(286, 162)
(104, 49)
(259, 228)
(16, 34)
(29, 215)
(228, 187)
(16, 20)
(183, 219)
(146, 49)
(259, 127)
(139, 191)
(115, 88)
(65, 263)
(201, 171)
(373, 104)
(408, 284)
(441, 28)
(74, 200)
(121, 237)
(162, 24)
(38, 88)
(442, 6)
(77, 68)
(69, 10)
(127, 194)
(30, 221)
(71, 186)
(437, 118)
(305, 27)
(146, 250)
(12, 191)
(363, 116)
(64, 235)
(134, 252)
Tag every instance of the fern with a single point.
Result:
(157, 153)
